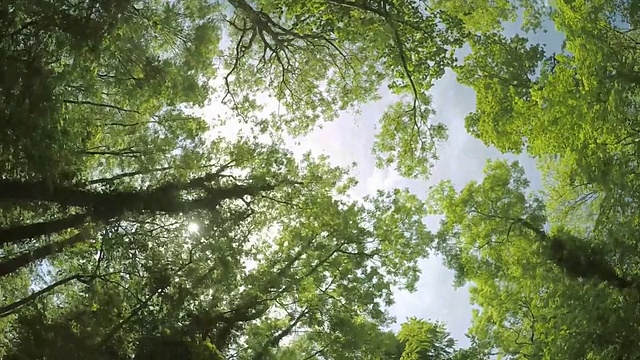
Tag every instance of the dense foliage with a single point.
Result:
(131, 229)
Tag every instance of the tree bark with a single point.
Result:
(18, 234)
(575, 259)
(15, 190)
(16, 263)
(104, 207)
(164, 198)
(579, 261)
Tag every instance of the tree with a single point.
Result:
(318, 262)
(534, 300)
(500, 70)
(554, 105)
(128, 230)
(417, 339)
(546, 267)
(119, 137)
(488, 16)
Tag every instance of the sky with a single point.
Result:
(350, 139)
(462, 159)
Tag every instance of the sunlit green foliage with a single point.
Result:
(129, 230)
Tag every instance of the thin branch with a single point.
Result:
(135, 312)
(116, 329)
(7, 310)
(129, 153)
(274, 340)
(92, 103)
(319, 351)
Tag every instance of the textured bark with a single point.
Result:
(103, 207)
(579, 261)
(164, 198)
(15, 190)
(18, 234)
(18, 262)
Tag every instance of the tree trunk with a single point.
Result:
(164, 198)
(15, 190)
(104, 207)
(579, 261)
(16, 263)
(17, 234)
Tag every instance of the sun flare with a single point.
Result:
(193, 228)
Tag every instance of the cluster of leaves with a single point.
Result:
(554, 274)
(318, 58)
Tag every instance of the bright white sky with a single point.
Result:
(462, 159)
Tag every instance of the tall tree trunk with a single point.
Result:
(104, 207)
(165, 198)
(579, 261)
(16, 263)
(17, 234)
(43, 191)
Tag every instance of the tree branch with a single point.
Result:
(128, 174)
(18, 262)
(108, 106)
(276, 338)
(7, 310)
(18, 234)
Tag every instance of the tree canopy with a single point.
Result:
(131, 229)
